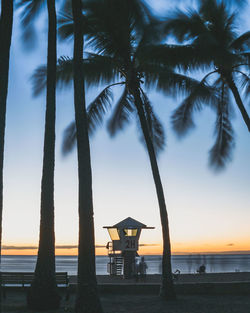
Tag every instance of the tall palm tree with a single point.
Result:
(43, 293)
(87, 299)
(211, 34)
(125, 57)
(115, 59)
(6, 23)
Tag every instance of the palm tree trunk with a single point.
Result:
(43, 293)
(167, 287)
(238, 100)
(6, 23)
(87, 299)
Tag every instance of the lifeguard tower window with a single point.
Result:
(113, 233)
(130, 232)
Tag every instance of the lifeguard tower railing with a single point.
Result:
(115, 264)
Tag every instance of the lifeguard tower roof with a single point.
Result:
(129, 222)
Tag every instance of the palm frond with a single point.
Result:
(64, 72)
(98, 108)
(244, 81)
(95, 113)
(184, 57)
(182, 118)
(64, 75)
(244, 59)
(122, 113)
(105, 38)
(141, 12)
(65, 25)
(152, 35)
(30, 11)
(211, 30)
(166, 80)
(218, 13)
(221, 152)
(241, 42)
(100, 70)
(184, 26)
(39, 80)
(117, 26)
(97, 70)
(69, 138)
(237, 3)
(155, 127)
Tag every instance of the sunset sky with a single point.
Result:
(208, 211)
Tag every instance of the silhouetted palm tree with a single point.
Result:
(87, 299)
(43, 292)
(214, 43)
(122, 33)
(6, 22)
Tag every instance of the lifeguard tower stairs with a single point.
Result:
(115, 264)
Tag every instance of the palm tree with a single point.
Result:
(87, 299)
(115, 59)
(229, 56)
(125, 58)
(6, 22)
(43, 293)
(211, 34)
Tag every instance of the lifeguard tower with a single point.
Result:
(122, 250)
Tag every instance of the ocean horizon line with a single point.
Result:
(240, 252)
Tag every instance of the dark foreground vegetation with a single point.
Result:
(145, 304)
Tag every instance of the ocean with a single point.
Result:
(214, 263)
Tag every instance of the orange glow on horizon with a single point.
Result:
(156, 249)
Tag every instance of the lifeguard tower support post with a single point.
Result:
(123, 248)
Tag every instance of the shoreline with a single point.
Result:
(186, 284)
(226, 277)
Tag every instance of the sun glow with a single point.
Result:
(241, 247)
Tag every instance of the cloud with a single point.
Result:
(19, 247)
(6, 247)
(230, 244)
(148, 244)
(68, 247)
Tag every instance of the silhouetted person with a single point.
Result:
(202, 269)
(143, 269)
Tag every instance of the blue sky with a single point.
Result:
(206, 210)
